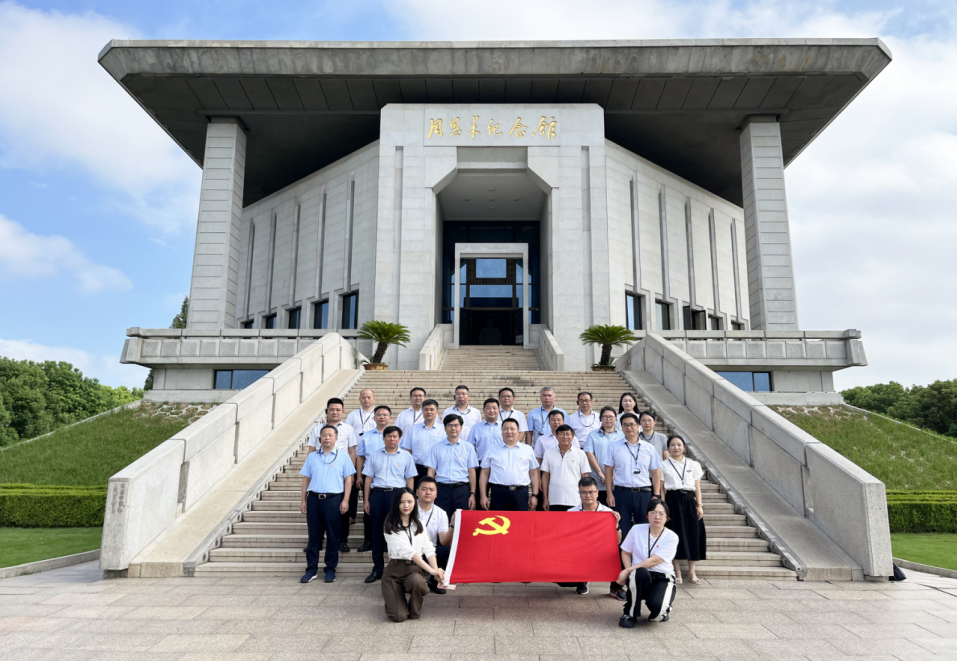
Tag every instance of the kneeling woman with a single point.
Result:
(647, 553)
(410, 551)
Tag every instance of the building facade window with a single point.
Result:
(295, 318)
(749, 381)
(236, 379)
(737, 325)
(663, 315)
(694, 319)
(633, 307)
(269, 321)
(247, 324)
(715, 322)
(321, 318)
(350, 311)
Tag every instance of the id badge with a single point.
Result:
(637, 471)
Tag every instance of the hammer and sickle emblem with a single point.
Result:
(496, 529)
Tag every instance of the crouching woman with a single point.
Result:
(410, 551)
(649, 577)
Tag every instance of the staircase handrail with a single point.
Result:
(434, 350)
(550, 355)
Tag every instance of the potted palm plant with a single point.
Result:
(383, 333)
(607, 337)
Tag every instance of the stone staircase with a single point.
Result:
(270, 536)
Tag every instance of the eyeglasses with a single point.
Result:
(593, 492)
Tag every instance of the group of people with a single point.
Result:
(416, 472)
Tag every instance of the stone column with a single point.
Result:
(770, 267)
(214, 283)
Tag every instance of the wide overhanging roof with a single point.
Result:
(678, 103)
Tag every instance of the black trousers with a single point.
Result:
(322, 517)
(509, 500)
(631, 505)
(350, 514)
(379, 504)
(442, 555)
(452, 498)
(559, 508)
(652, 587)
(603, 497)
(423, 470)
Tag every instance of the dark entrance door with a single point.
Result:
(491, 305)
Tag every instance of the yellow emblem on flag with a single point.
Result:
(496, 529)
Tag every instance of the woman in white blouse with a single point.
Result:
(681, 482)
(410, 551)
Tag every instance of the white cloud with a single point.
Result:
(105, 368)
(59, 108)
(27, 255)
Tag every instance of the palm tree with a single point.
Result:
(384, 333)
(607, 337)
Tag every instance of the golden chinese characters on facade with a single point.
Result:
(547, 127)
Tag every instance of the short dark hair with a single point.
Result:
(381, 406)
(587, 481)
(335, 400)
(513, 421)
(430, 402)
(325, 427)
(584, 392)
(648, 413)
(625, 416)
(501, 390)
(608, 408)
(490, 400)
(427, 478)
(562, 428)
(654, 504)
(465, 388)
(390, 429)
(683, 443)
(451, 417)
(418, 388)
(556, 412)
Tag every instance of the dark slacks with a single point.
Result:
(379, 504)
(403, 589)
(423, 470)
(603, 497)
(559, 508)
(451, 498)
(442, 555)
(350, 514)
(631, 505)
(654, 588)
(509, 500)
(322, 517)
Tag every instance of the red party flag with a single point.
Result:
(534, 547)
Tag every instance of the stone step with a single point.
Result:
(293, 516)
(293, 505)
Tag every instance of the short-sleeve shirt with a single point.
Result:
(514, 414)
(389, 470)
(638, 540)
(485, 437)
(538, 421)
(564, 472)
(601, 508)
(361, 422)
(659, 440)
(452, 461)
(420, 439)
(680, 475)
(543, 443)
(327, 472)
(470, 417)
(584, 425)
(407, 418)
(370, 442)
(598, 443)
(632, 463)
(510, 466)
(345, 440)
(436, 522)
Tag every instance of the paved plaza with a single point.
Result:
(73, 614)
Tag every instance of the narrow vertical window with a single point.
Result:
(295, 317)
(321, 317)
(663, 313)
(269, 321)
(633, 307)
(350, 311)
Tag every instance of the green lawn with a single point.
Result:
(936, 549)
(88, 453)
(20, 545)
(901, 457)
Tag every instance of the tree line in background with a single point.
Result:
(179, 321)
(931, 407)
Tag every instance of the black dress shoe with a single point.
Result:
(366, 546)
(434, 586)
(373, 577)
(343, 547)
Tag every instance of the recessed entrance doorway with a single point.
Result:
(491, 306)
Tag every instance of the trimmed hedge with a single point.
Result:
(922, 511)
(45, 506)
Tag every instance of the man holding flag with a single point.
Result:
(509, 469)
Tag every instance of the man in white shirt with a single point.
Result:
(362, 418)
(436, 523)
(584, 421)
(538, 418)
(549, 440)
(562, 468)
(470, 416)
(486, 436)
(413, 414)
(508, 471)
(506, 398)
(422, 436)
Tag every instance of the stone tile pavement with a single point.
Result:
(72, 614)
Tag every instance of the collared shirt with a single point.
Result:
(389, 470)
(420, 439)
(470, 418)
(601, 508)
(514, 414)
(538, 421)
(452, 461)
(486, 437)
(665, 546)
(403, 544)
(510, 466)
(327, 472)
(564, 472)
(618, 423)
(584, 425)
(598, 443)
(361, 422)
(345, 440)
(680, 475)
(436, 522)
(543, 443)
(407, 419)
(657, 439)
(370, 442)
(632, 463)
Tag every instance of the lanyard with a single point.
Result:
(651, 544)
(431, 512)
(684, 469)
(585, 422)
(646, 439)
(415, 418)
(510, 414)
(408, 531)
(328, 463)
(634, 455)
(363, 421)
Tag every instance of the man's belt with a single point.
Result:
(454, 485)
(510, 487)
(385, 488)
(323, 496)
(634, 489)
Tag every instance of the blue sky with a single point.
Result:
(98, 206)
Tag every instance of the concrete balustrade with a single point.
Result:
(146, 497)
(845, 502)
(436, 346)
(550, 355)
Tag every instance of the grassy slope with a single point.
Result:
(88, 453)
(935, 549)
(20, 545)
(899, 456)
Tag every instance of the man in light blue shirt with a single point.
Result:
(487, 435)
(386, 471)
(510, 469)
(538, 418)
(327, 474)
(452, 463)
(596, 448)
(422, 436)
(632, 474)
(369, 443)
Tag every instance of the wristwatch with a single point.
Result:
(471, 493)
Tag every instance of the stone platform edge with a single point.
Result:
(49, 563)
(927, 569)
